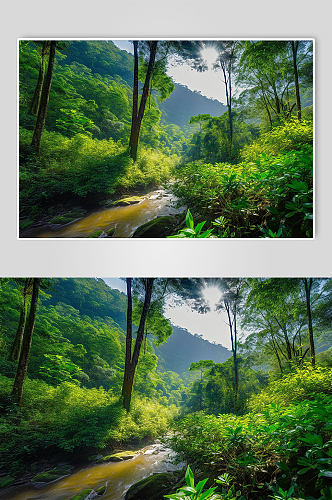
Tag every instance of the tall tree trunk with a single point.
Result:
(135, 100)
(295, 46)
(129, 333)
(307, 287)
(129, 375)
(228, 90)
(232, 330)
(137, 121)
(17, 344)
(45, 96)
(230, 114)
(26, 345)
(38, 90)
(235, 361)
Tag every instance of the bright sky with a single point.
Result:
(211, 325)
(209, 83)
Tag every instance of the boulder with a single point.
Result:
(108, 233)
(117, 457)
(82, 495)
(153, 487)
(89, 493)
(160, 227)
(131, 200)
(52, 474)
(66, 218)
(96, 234)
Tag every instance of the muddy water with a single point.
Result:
(124, 219)
(118, 476)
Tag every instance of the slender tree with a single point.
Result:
(41, 75)
(295, 47)
(230, 302)
(132, 355)
(17, 344)
(226, 62)
(138, 111)
(26, 345)
(44, 99)
(308, 287)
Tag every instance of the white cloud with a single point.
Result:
(208, 83)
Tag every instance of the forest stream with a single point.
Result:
(124, 219)
(118, 477)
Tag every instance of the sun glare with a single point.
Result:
(209, 54)
(212, 295)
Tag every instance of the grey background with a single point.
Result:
(174, 18)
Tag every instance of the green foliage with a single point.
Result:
(192, 231)
(301, 385)
(269, 192)
(211, 142)
(84, 154)
(79, 338)
(72, 419)
(290, 136)
(192, 491)
(261, 187)
(285, 440)
(84, 168)
(214, 391)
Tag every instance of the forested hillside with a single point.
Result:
(102, 130)
(183, 103)
(182, 348)
(92, 378)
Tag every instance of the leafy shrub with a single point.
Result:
(83, 168)
(290, 136)
(192, 491)
(301, 385)
(268, 194)
(285, 442)
(72, 418)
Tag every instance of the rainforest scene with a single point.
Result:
(154, 388)
(166, 138)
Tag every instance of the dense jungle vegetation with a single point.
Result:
(98, 124)
(85, 369)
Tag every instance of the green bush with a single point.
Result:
(83, 169)
(290, 136)
(284, 442)
(71, 419)
(268, 194)
(301, 385)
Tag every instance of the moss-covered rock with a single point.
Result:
(153, 487)
(96, 234)
(82, 495)
(52, 474)
(108, 233)
(131, 200)
(6, 481)
(68, 216)
(117, 457)
(160, 227)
